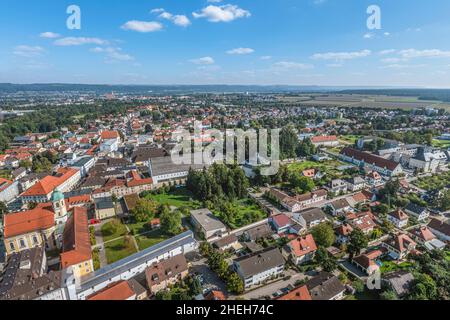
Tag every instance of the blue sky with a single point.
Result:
(298, 42)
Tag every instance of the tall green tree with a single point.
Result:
(323, 235)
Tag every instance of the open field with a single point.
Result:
(181, 197)
(150, 239)
(441, 143)
(365, 101)
(119, 249)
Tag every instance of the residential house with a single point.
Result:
(301, 249)
(260, 266)
(281, 223)
(325, 286)
(367, 262)
(257, 233)
(120, 291)
(165, 273)
(440, 229)
(399, 246)
(399, 218)
(355, 184)
(338, 186)
(339, 207)
(420, 213)
(424, 236)
(343, 233)
(300, 293)
(310, 217)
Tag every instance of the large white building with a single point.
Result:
(260, 266)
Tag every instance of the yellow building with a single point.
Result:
(77, 244)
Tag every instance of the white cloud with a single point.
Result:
(142, 26)
(266, 57)
(388, 51)
(28, 51)
(292, 65)
(179, 20)
(240, 51)
(339, 56)
(49, 35)
(113, 54)
(368, 35)
(157, 10)
(78, 41)
(428, 53)
(225, 13)
(203, 61)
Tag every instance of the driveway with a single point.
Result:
(268, 290)
(211, 280)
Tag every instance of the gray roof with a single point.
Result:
(117, 268)
(82, 161)
(259, 232)
(260, 261)
(313, 214)
(164, 165)
(400, 281)
(207, 220)
(104, 203)
(324, 286)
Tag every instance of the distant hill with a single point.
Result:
(167, 89)
(423, 94)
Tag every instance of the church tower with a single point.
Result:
(59, 207)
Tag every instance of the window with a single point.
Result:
(11, 245)
(35, 240)
(22, 243)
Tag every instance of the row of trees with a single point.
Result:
(218, 182)
(291, 147)
(145, 210)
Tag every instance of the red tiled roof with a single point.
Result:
(303, 245)
(107, 135)
(281, 220)
(320, 139)
(369, 158)
(300, 293)
(215, 295)
(49, 183)
(76, 240)
(116, 292)
(37, 219)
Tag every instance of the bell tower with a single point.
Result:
(59, 207)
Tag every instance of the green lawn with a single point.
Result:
(389, 266)
(441, 143)
(350, 138)
(181, 197)
(118, 250)
(138, 227)
(434, 182)
(150, 239)
(247, 212)
(113, 229)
